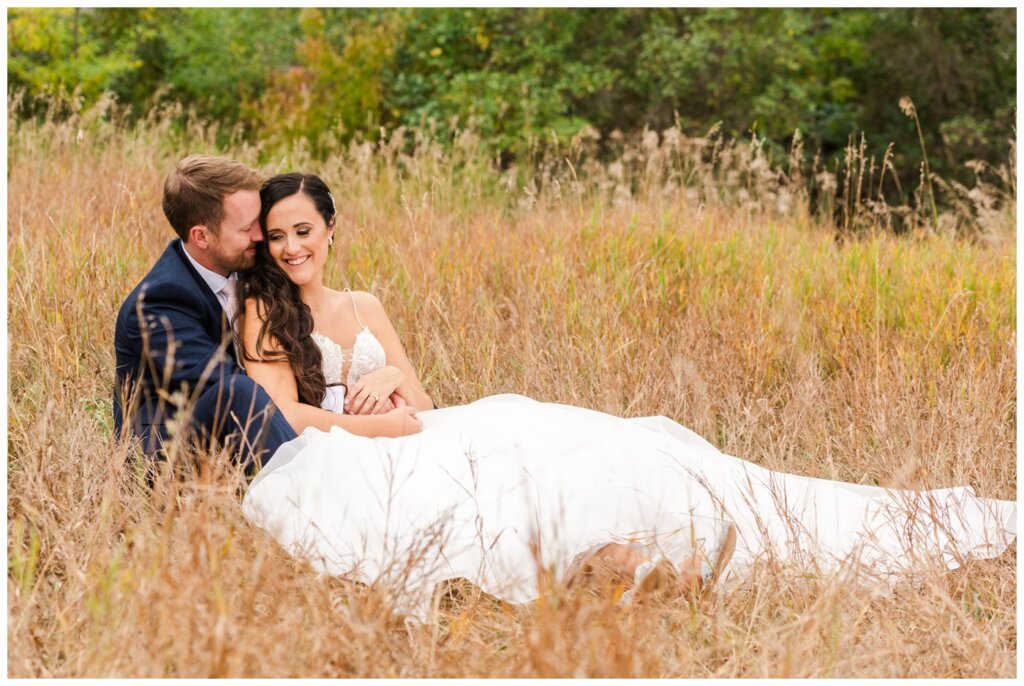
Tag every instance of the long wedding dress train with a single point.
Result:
(497, 490)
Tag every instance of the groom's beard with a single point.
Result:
(244, 262)
(239, 263)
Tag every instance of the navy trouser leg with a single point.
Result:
(238, 409)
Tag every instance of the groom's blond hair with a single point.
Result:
(194, 192)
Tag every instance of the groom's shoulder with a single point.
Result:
(168, 278)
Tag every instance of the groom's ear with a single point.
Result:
(200, 236)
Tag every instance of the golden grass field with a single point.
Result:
(675, 281)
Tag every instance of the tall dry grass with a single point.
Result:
(686, 279)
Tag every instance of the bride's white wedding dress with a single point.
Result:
(499, 489)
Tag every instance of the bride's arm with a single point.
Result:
(410, 389)
(278, 381)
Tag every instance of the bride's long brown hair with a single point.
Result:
(287, 321)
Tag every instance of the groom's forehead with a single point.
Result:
(242, 205)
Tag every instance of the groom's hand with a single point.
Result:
(402, 421)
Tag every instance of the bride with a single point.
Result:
(509, 492)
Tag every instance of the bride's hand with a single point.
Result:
(391, 403)
(402, 421)
(372, 392)
(387, 404)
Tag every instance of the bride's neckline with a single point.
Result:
(355, 341)
(328, 339)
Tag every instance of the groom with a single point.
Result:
(177, 375)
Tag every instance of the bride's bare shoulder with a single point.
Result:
(365, 297)
(254, 309)
(366, 303)
(253, 316)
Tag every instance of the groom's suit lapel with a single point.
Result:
(208, 296)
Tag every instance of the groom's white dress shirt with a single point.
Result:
(222, 286)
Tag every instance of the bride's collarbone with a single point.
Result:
(338, 320)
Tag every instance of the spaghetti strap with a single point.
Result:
(356, 308)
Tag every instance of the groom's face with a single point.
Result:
(233, 248)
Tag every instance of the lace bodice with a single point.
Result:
(366, 355)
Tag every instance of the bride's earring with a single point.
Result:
(330, 240)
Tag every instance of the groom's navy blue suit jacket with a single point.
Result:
(171, 336)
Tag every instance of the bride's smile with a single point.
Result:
(298, 239)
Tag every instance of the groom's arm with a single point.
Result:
(175, 347)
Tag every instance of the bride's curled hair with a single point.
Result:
(287, 321)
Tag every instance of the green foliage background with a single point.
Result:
(530, 79)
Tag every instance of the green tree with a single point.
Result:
(526, 79)
(54, 52)
(518, 77)
(334, 87)
(219, 59)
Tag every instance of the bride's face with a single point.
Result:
(297, 237)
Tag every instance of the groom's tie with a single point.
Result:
(229, 302)
(227, 297)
